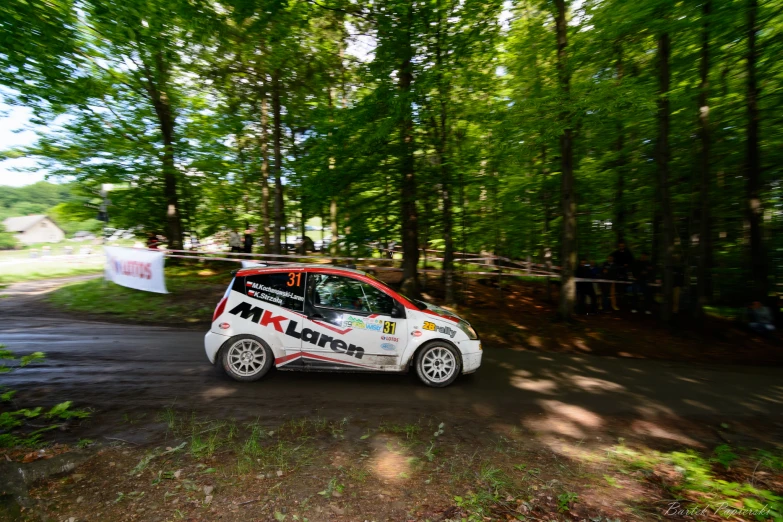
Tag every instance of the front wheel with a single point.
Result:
(438, 364)
(246, 358)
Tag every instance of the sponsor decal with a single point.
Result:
(138, 269)
(389, 327)
(267, 318)
(388, 346)
(363, 323)
(390, 338)
(267, 293)
(432, 327)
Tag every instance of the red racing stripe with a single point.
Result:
(287, 358)
(332, 328)
(442, 316)
(323, 358)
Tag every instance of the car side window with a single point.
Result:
(330, 291)
(286, 289)
(378, 301)
(345, 293)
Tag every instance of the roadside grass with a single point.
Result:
(34, 272)
(194, 290)
(317, 468)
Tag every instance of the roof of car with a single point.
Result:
(302, 266)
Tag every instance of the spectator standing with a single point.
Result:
(152, 241)
(760, 319)
(609, 272)
(596, 272)
(678, 280)
(234, 243)
(623, 258)
(643, 272)
(584, 289)
(248, 242)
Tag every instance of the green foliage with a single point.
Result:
(724, 455)
(331, 488)
(13, 422)
(63, 203)
(25, 360)
(698, 483)
(292, 92)
(7, 239)
(698, 476)
(565, 500)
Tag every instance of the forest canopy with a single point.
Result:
(545, 130)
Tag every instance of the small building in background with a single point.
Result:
(34, 229)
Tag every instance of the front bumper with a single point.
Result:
(212, 343)
(471, 355)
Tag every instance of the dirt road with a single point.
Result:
(120, 368)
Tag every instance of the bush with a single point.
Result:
(7, 239)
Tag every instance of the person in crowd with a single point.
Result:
(643, 273)
(760, 319)
(609, 272)
(248, 242)
(623, 258)
(678, 282)
(584, 289)
(596, 272)
(234, 243)
(152, 241)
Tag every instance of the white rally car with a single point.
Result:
(311, 317)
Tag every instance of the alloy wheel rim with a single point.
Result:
(246, 357)
(438, 364)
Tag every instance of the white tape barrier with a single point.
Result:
(249, 264)
(136, 268)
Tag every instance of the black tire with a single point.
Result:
(426, 364)
(232, 353)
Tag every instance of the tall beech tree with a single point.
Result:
(567, 192)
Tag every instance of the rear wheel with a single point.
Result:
(246, 358)
(438, 364)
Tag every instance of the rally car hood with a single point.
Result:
(442, 311)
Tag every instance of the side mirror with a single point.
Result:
(397, 311)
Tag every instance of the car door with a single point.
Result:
(278, 299)
(351, 325)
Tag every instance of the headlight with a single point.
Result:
(469, 331)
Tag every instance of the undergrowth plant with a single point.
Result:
(14, 420)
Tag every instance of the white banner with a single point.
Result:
(136, 268)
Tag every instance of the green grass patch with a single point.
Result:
(19, 272)
(194, 290)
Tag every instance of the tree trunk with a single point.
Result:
(662, 156)
(620, 162)
(445, 167)
(333, 226)
(704, 275)
(619, 196)
(753, 163)
(567, 195)
(410, 222)
(302, 213)
(277, 137)
(166, 122)
(264, 144)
